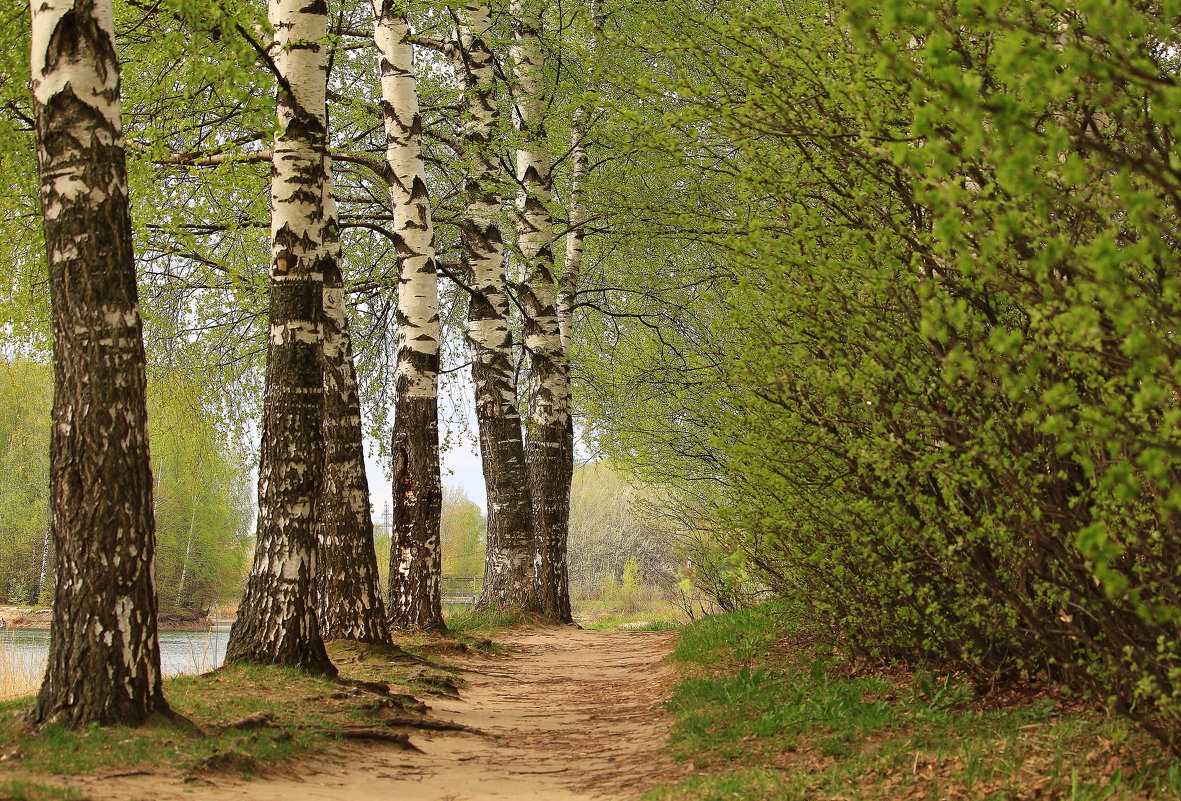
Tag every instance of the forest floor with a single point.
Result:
(560, 714)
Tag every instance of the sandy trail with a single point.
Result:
(565, 715)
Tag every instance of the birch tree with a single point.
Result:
(277, 620)
(579, 173)
(349, 587)
(415, 556)
(509, 568)
(104, 657)
(549, 430)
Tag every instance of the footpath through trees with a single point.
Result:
(566, 714)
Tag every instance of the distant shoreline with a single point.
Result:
(38, 618)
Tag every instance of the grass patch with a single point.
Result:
(763, 712)
(18, 790)
(465, 620)
(306, 717)
(651, 615)
(300, 714)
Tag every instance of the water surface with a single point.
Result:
(24, 651)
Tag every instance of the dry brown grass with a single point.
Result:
(20, 672)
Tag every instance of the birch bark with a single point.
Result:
(416, 553)
(579, 172)
(184, 565)
(46, 555)
(549, 430)
(349, 587)
(509, 569)
(277, 620)
(104, 657)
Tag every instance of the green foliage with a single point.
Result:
(463, 530)
(629, 583)
(939, 399)
(625, 594)
(610, 530)
(203, 504)
(26, 393)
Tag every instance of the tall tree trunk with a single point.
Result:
(350, 597)
(509, 568)
(416, 552)
(104, 657)
(549, 430)
(277, 620)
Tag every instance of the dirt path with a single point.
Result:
(565, 715)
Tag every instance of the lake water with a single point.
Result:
(25, 650)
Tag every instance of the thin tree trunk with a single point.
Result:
(509, 567)
(184, 565)
(350, 597)
(579, 172)
(416, 552)
(549, 430)
(46, 552)
(104, 657)
(277, 620)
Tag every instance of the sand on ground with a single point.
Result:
(564, 715)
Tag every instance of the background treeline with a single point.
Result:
(203, 498)
(936, 400)
(205, 509)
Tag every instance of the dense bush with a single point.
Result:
(950, 420)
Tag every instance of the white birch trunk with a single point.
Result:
(45, 546)
(509, 568)
(350, 599)
(548, 434)
(184, 565)
(277, 620)
(579, 172)
(104, 658)
(416, 555)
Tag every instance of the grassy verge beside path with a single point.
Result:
(762, 712)
(245, 717)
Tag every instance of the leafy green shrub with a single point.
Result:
(630, 589)
(949, 424)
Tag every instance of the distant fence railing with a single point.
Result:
(461, 590)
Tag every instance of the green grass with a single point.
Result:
(645, 615)
(18, 790)
(308, 713)
(764, 713)
(462, 620)
(656, 616)
(304, 717)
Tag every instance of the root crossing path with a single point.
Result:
(564, 715)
